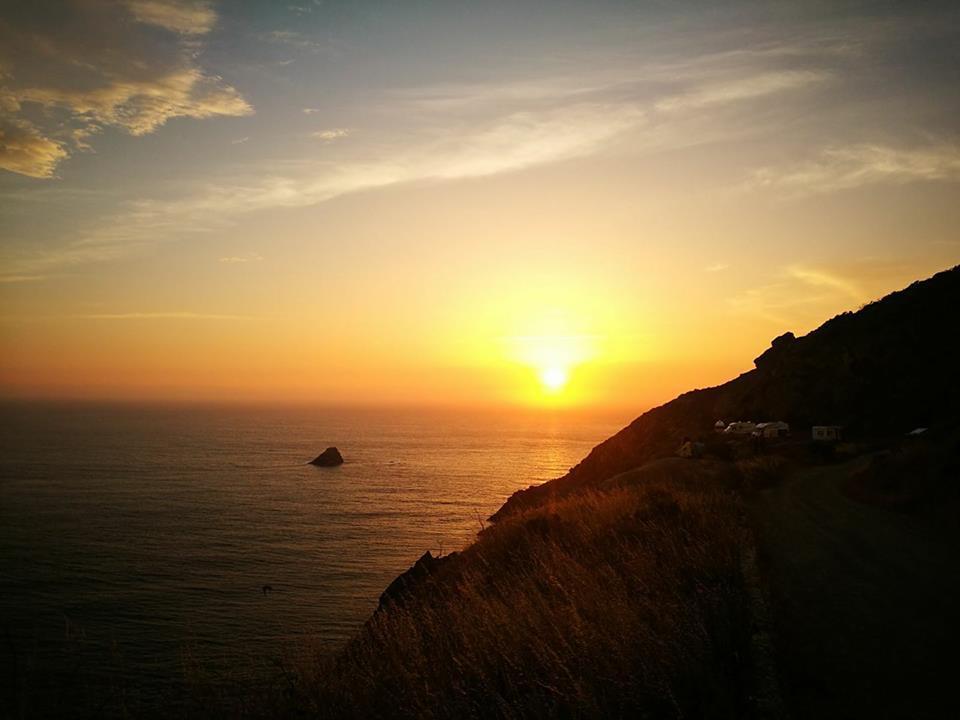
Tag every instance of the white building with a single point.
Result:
(774, 429)
(741, 427)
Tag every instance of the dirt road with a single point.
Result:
(865, 603)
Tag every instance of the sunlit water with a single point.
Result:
(148, 533)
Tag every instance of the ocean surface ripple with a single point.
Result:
(147, 533)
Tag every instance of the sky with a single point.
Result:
(548, 204)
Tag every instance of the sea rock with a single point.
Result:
(328, 458)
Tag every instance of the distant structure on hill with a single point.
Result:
(690, 449)
(826, 433)
(741, 427)
(775, 429)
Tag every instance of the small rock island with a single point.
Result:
(330, 457)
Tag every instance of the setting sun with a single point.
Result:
(554, 378)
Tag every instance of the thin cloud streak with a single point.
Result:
(21, 278)
(159, 316)
(185, 17)
(566, 128)
(234, 259)
(331, 134)
(799, 291)
(825, 279)
(721, 93)
(846, 168)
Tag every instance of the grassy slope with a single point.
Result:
(629, 603)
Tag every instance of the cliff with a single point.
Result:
(884, 369)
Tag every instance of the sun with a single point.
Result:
(554, 378)
(551, 348)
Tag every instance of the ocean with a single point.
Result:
(136, 540)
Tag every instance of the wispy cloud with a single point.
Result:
(803, 295)
(296, 40)
(24, 150)
(726, 91)
(850, 167)
(185, 17)
(470, 132)
(15, 278)
(141, 106)
(102, 67)
(159, 316)
(820, 278)
(331, 134)
(245, 258)
(717, 267)
(305, 8)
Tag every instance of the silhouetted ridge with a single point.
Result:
(886, 368)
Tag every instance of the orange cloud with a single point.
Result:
(188, 18)
(25, 151)
(118, 75)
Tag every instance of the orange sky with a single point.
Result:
(603, 206)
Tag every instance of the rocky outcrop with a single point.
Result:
(777, 351)
(330, 457)
(413, 580)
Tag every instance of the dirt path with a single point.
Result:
(865, 603)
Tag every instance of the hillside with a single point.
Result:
(643, 584)
(633, 602)
(882, 370)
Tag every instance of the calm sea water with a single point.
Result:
(142, 535)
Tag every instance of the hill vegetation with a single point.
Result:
(631, 602)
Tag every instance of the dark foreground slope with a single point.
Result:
(884, 369)
(866, 597)
(627, 603)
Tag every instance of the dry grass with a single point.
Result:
(760, 472)
(626, 603)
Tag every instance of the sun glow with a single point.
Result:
(554, 378)
(551, 345)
